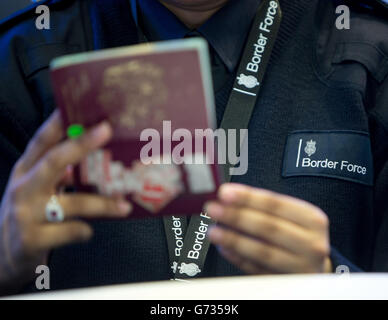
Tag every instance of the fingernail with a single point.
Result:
(124, 207)
(87, 233)
(214, 210)
(215, 234)
(229, 193)
(101, 132)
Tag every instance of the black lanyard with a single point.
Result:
(188, 244)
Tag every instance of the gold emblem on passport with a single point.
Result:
(140, 89)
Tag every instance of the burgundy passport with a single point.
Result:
(158, 98)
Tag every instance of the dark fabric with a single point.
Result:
(158, 23)
(312, 83)
(234, 19)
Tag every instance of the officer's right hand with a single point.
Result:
(26, 237)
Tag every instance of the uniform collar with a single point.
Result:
(226, 31)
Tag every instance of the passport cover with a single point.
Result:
(137, 88)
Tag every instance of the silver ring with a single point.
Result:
(54, 211)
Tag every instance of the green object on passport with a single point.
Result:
(75, 131)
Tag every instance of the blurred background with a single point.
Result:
(9, 6)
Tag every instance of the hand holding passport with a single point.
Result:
(157, 97)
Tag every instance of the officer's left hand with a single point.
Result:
(264, 232)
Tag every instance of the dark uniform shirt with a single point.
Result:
(235, 20)
(319, 80)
